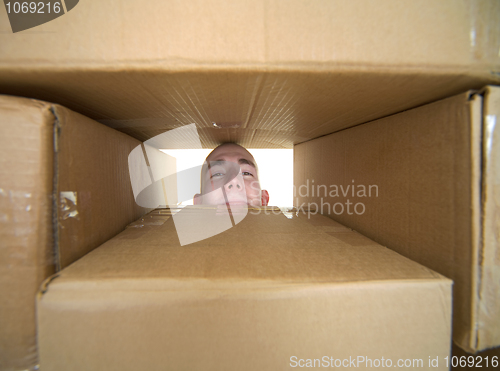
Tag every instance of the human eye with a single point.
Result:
(217, 175)
(247, 173)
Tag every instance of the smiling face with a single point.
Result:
(230, 176)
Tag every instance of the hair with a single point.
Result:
(225, 144)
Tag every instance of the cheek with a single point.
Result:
(213, 184)
(214, 197)
(252, 187)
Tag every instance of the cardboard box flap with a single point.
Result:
(258, 109)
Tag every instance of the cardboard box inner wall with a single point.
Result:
(250, 298)
(64, 190)
(268, 73)
(426, 182)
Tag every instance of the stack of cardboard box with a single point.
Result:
(63, 193)
(330, 79)
(437, 198)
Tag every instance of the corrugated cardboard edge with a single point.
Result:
(485, 276)
(467, 339)
(488, 285)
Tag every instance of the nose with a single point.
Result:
(235, 185)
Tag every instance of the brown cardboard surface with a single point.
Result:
(264, 31)
(92, 164)
(481, 360)
(488, 308)
(26, 254)
(250, 298)
(431, 199)
(270, 74)
(39, 179)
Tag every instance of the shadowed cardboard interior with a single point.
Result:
(436, 199)
(240, 300)
(264, 109)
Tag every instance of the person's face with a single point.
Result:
(231, 177)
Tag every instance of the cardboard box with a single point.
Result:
(252, 298)
(435, 196)
(268, 73)
(64, 190)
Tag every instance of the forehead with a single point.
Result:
(230, 152)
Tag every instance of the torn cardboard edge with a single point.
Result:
(45, 285)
